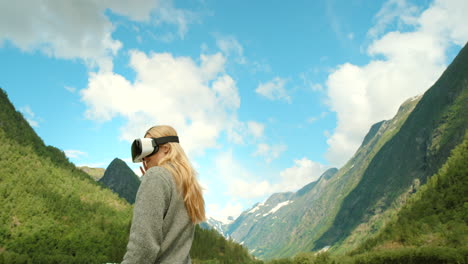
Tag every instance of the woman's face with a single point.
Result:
(153, 160)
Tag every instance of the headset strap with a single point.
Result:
(164, 140)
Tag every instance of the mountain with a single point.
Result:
(430, 228)
(299, 224)
(121, 179)
(212, 223)
(266, 224)
(419, 149)
(53, 212)
(95, 173)
(210, 247)
(396, 157)
(435, 216)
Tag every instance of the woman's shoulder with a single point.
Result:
(158, 170)
(159, 173)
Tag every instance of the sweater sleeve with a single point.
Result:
(146, 233)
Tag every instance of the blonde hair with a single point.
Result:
(184, 174)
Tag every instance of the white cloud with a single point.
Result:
(260, 67)
(74, 154)
(316, 118)
(27, 110)
(316, 87)
(398, 12)
(70, 89)
(198, 100)
(412, 61)
(312, 119)
(303, 172)
(245, 132)
(256, 129)
(29, 116)
(231, 47)
(306, 79)
(204, 186)
(274, 90)
(238, 179)
(166, 13)
(246, 185)
(222, 213)
(269, 152)
(247, 189)
(79, 29)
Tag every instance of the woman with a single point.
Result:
(168, 204)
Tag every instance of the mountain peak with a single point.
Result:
(328, 174)
(121, 179)
(116, 161)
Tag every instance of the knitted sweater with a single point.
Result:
(161, 231)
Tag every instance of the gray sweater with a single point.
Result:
(161, 231)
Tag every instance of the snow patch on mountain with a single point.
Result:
(218, 225)
(255, 208)
(277, 207)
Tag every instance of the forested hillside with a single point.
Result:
(210, 247)
(430, 228)
(436, 216)
(419, 149)
(53, 212)
(95, 173)
(296, 226)
(396, 157)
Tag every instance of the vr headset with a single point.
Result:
(145, 147)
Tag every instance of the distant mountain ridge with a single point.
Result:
(395, 158)
(212, 223)
(436, 215)
(121, 179)
(264, 223)
(95, 173)
(298, 224)
(419, 149)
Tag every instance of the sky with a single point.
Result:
(265, 95)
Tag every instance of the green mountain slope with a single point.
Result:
(322, 204)
(121, 179)
(210, 247)
(53, 212)
(95, 173)
(432, 226)
(298, 225)
(437, 215)
(395, 158)
(422, 145)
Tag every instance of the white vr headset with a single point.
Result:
(145, 147)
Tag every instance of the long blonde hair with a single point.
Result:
(184, 174)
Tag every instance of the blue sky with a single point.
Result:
(265, 95)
